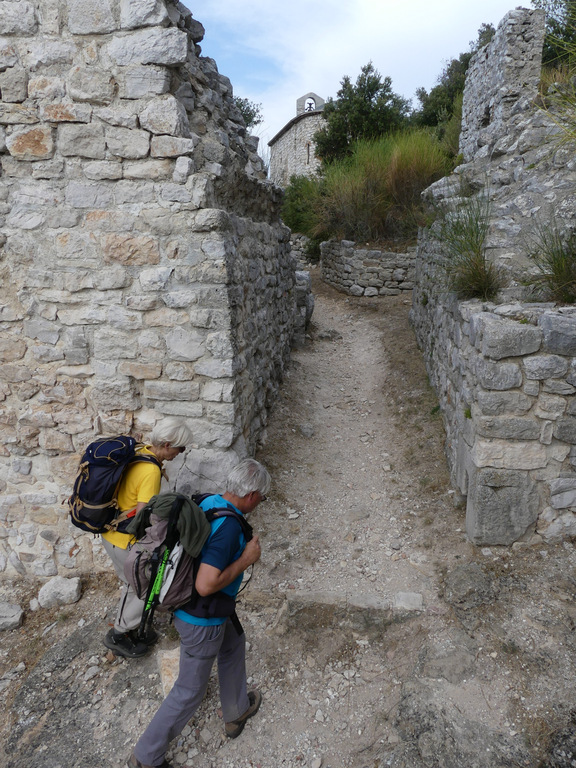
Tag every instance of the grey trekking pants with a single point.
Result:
(199, 647)
(130, 606)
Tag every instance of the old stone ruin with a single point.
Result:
(145, 269)
(505, 371)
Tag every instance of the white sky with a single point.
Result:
(274, 51)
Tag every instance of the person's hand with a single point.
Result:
(252, 550)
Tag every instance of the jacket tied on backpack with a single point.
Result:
(192, 525)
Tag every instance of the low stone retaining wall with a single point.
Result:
(506, 378)
(366, 272)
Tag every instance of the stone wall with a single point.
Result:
(364, 271)
(292, 151)
(505, 372)
(144, 266)
(501, 82)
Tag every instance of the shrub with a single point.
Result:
(463, 234)
(554, 254)
(300, 203)
(375, 194)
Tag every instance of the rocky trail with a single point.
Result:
(378, 635)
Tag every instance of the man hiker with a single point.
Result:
(208, 626)
(140, 482)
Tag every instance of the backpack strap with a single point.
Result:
(213, 514)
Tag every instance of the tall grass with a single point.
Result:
(554, 254)
(375, 193)
(463, 235)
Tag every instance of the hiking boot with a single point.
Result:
(133, 762)
(149, 638)
(236, 727)
(121, 644)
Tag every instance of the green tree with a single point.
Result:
(251, 112)
(366, 110)
(560, 41)
(437, 107)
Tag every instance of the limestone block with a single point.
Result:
(31, 143)
(221, 413)
(143, 81)
(22, 218)
(53, 440)
(87, 195)
(508, 427)
(12, 349)
(179, 371)
(85, 316)
(90, 84)
(185, 345)
(153, 170)
(114, 394)
(114, 344)
(550, 407)
(179, 408)
(215, 369)
(563, 492)
(8, 55)
(124, 318)
(498, 403)
(499, 376)
(44, 330)
(46, 52)
(545, 366)
(172, 146)
(144, 371)
(175, 193)
(11, 616)
(17, 17)
(66, 112)
(565, 430)
(130, 250)
(14, 84)
(155, 279)
(142, 13)
(17, 114)
(87, 17)
(501, 507)
(503, 454)
(559, 333)
(82, 141)
(123, 142)
(165, 115)
(122, 116)
(104, 169)
(60, 591)
(558, 387)
(150, 46)
(218, 391)
(172, 390)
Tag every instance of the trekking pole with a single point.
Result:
(158, 567)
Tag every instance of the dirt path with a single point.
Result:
(378, 635)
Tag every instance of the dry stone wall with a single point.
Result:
(505, 372)
(365, 271)
(145, 271)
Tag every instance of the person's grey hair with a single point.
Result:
(172, 430)
(248, 476)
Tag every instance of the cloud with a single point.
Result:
(275, 52)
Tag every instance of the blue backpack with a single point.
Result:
(93, 505)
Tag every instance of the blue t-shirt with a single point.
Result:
(225, 544)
